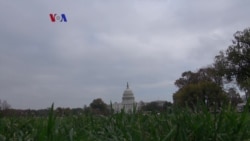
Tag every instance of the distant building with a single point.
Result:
(128, 101)
(160, 103)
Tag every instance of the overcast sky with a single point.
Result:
(107, 43)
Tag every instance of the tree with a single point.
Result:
(167, 104)
(203, 86)
(152, 106)
(234, 63)
(156, 106)
(208, 74)
(208, 93)
(98, 106)
(63, 111)
(234, 97)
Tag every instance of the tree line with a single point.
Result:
(96, 107)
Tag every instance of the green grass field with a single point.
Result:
(179, 125)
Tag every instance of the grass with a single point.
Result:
(179, 125)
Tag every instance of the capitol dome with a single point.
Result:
(128, 102)
(128, 96)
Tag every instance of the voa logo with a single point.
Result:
(57, 17)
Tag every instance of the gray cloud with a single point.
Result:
(104, 44)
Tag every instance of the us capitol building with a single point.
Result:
(128, 101)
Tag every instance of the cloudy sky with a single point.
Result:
(105, 44)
